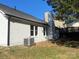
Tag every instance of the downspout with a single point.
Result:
(8, 41)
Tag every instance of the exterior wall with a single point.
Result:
(3, 30)
(59, 23)
(51, 27)
(18, 32)
(40, 37)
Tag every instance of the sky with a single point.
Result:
(33, 7)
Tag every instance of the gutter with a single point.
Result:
(28, 20)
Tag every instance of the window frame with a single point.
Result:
(32, 30)
(44, 31)
(36, 30)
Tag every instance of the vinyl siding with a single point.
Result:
(3, 30)
(18, 32)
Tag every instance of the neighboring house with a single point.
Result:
(15, 26)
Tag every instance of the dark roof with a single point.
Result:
(17, 13)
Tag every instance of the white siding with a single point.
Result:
(40, 37)
(18, 32)
(3, 30)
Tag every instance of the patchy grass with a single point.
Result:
(44, 50)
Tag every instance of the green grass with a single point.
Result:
(54, 52)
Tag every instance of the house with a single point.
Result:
(15, 26)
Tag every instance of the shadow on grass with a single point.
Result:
(70, 40)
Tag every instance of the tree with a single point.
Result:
(65, 8)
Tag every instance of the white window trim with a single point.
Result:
(34, 31)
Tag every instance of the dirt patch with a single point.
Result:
(45, 44)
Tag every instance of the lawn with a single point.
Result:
(40, 51)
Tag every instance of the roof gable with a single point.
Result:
(17, 13)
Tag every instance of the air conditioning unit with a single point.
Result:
(28, 42)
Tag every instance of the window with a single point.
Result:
(44, 31)
(36, 30)
(32, 30)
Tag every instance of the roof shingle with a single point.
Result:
(17, 13)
